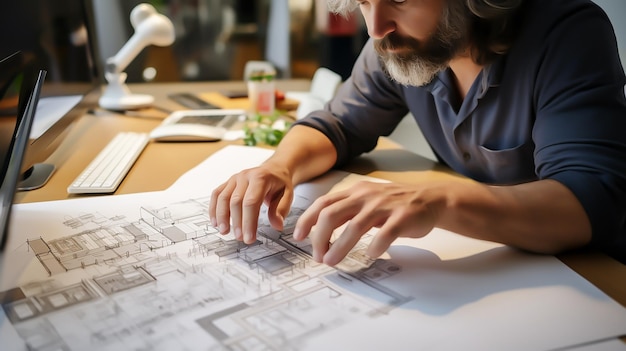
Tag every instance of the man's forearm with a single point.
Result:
(305, 152)
(542, 216)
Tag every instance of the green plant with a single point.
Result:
(265, 129)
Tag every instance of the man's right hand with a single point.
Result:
(238, 201)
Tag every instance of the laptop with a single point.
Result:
(19, 94)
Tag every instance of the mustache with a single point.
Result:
(393, 41)
(434, 51)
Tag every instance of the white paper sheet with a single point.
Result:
(147, 271)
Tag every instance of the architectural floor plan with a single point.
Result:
(149, 272)
(168, 278)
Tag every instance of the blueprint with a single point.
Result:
(148, 271)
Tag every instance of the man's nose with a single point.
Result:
(380, 21)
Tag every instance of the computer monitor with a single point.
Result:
(52, 36)
(19, 94)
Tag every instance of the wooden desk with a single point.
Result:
(162, 163)
(159, 165)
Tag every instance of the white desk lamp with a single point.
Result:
(151, 28)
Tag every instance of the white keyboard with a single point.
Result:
(105, 172)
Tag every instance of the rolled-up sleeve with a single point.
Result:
(580, 128)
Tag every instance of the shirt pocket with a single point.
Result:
(509, 165)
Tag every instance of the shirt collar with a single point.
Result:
(490, 76)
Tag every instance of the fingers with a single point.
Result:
(348, 239)
(310, 217)
(278, 208)
(354, 231)
(219, 207)
(390, 207)
(410, 224)
(236, 204)
(213, 204)
(327, 213)
(245, 204)
(383, 239)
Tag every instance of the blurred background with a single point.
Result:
(215, 38)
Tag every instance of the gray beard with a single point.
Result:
(420, 62)
(411, 72)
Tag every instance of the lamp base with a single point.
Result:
(117, 96)
(127, 102)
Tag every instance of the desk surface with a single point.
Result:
(93, 131)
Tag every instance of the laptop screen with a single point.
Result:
(19, 94)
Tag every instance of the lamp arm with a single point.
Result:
(125, 56)
(153, 30)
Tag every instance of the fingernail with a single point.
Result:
(317, 257)
(213, 222)
(296, 234)
(249, 238)
(237, 232)
(222, 228)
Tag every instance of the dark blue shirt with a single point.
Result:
(553, 107)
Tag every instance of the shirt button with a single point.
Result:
(466, 156)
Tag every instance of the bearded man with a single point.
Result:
(523, 97)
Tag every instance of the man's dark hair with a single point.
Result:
(492, 27)
(491, 23)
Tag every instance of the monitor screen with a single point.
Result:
(19, 94)
(52, 36)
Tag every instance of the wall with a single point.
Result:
(616, 10)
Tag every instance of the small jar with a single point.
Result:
(261, 92)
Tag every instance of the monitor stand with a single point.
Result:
(36, 177)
